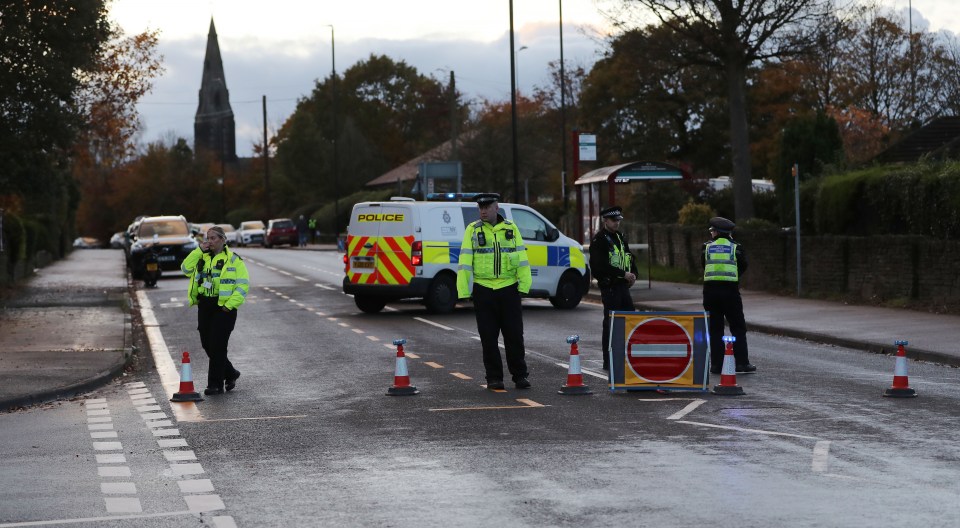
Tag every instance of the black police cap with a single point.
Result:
(721, 224)
(615, 212)
(486, 198)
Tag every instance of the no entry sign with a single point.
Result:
(658, 350)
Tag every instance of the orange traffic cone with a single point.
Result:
(728, 376)
(901, 385)
(574, 384)
(186, 393)
(401, 380)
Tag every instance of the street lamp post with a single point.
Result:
(336, 160)
(563, 120)
(518, 66)
(513, 111)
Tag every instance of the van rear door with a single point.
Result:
(379, 244)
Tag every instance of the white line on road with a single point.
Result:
(169, 376)
(324, 286)
(429, 322)
(96, 519)
(746, 430)
(298, 277)
(686, 410)
(821, 456)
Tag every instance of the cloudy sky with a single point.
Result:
(281, 47)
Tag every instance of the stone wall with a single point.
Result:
(881, 268)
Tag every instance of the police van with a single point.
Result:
(406, 249)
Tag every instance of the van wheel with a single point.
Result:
(369, 304)
(568, 291)
(442, 295)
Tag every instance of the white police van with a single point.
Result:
(405, 249)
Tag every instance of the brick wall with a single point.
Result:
(880, 268)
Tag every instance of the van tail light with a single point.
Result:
(416, 253)
(346, 263)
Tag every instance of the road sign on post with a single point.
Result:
(658, 351)
(588, 147)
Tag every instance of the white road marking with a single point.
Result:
(112, 458)
(411, 355)
(118, 488)
(123, 505)
(324, 286)
(746, 430)
(137, 383)
(224, 521)
(95, 400)
(99, 427)
(148, 408)
(166, 432)
(686, 410)
(97, 519)
(433, 364)
(169, 375)
(172, 442)
(98, 412)
(298, 277)
(99, 419)
(186, 469)
(821, 456)
(159, 423)
(107, 446)
(373, 338)
(460, 375)
(176, 455)
(195, 486)
(103, 434)
(429, 322)
(357, 330)
(204, 503)
(153, 416)
(96, 405)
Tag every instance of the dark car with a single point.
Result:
(281, 231)
(167, 236)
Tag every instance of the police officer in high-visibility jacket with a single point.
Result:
(615, 269)
(724, 262)
(493, 254)
(218, 286)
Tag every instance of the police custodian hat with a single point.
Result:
(486, 198)
(721, 224)
(615, 212)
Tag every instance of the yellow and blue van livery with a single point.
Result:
(405, 249)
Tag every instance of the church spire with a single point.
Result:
(213, 126)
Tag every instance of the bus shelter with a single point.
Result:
(599, 188)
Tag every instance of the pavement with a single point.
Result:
(68, 329)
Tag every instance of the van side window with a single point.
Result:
(531, 226)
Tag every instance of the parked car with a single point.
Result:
(230, 233)
(250, 232)
(87, 243)
(281, 231)
(117, 240)
(199, 231)
(167, 236)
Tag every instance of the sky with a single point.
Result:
(279, 48)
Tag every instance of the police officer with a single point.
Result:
(218, 286)
(724, 262)
(493, 254)
(615, 269)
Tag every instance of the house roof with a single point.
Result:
(939, 138)
(408, 171)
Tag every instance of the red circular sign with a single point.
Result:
(659, 350)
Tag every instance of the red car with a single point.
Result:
(281, 231)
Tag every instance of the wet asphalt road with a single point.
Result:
(309, 437)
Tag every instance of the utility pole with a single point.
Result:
(513, 112)
(266, 160)
(336, 150)
(454, 118)
(563, 121)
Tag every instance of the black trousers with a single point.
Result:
(723, 302)
(499, 311)
(215, 326)
(616, 297)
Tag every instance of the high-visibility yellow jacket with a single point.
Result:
(495, 256)
(720, 261)
(225, 272)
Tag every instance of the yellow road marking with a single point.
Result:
(527, 404)
(432, 364)
(409, 355)
(460, 375)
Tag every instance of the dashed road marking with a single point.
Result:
(460, 375)
(429, 322)
(527, 404)
(821, 456)
(432, 364)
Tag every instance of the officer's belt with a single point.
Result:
(491, 250)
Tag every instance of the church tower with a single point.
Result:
(214, 129)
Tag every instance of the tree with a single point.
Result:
(107, 100)
(387, 113)
(731, 36)
(45, 49)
